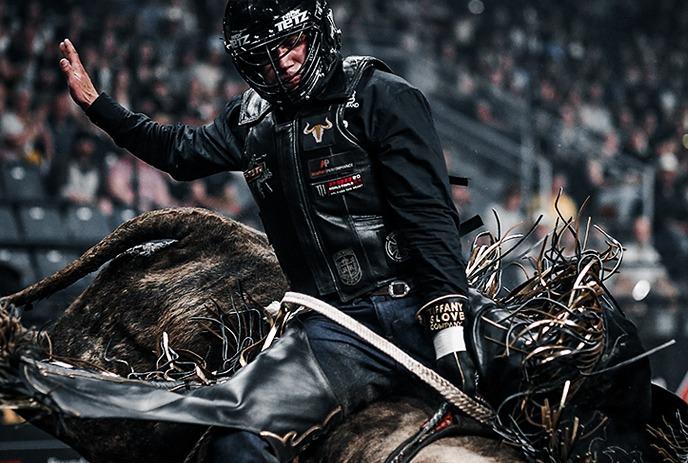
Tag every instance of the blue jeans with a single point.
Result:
(357, 372)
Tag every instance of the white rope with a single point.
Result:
(451, 393)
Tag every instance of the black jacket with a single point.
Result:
(406, 186)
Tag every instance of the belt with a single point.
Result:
(396, 289)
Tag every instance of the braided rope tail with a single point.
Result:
(446, 389)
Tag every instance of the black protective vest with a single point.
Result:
(320, 201)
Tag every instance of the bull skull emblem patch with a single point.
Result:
(317, 130)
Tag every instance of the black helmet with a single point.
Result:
(259, 32)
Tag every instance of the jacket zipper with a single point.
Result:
(306, 205)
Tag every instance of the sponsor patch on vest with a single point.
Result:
(317, 131)
(351, 102)
(331, 165)
(257, 177)
(255, 172)
(339, 186)
(395, 251)
(348, 268)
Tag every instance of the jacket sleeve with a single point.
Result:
(414, 176)
(185, 152)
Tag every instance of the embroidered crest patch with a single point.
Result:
(348, 267)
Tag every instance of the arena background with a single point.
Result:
(529, 96)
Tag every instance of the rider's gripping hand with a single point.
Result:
(444, 318)
(81, 88)
(458, 368)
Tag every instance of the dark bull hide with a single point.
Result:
(176, 291)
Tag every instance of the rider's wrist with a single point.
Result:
(443, 312)
(448, 341)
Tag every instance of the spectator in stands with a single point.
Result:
(671, 215)
(81, 177)
(39, 146)
(557, 205)
(508, 212)
(208, 72)
(217, 194)
(62, 124)
(133, 183)
(508, 221)
(122, 88)
(642, 265)
(12, 137)
(594, 114)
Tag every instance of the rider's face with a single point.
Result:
(289, 58)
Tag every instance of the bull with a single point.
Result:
(177, 281)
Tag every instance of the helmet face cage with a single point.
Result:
(257, 50)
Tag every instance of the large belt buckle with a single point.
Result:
(398, 289)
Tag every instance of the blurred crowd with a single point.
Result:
(153, 57)
(601, 82)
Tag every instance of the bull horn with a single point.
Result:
(173, 223)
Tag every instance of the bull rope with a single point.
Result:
(451, 393)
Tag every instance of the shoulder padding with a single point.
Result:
(355, 67)
(253, 107)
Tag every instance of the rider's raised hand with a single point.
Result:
(81, 88)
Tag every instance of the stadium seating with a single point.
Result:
(42, 225)
(86, 224)
(50, 261)
(21, 261)
(121, 215)
(21, 182)
(9, 229)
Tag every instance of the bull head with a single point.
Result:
(317, 130)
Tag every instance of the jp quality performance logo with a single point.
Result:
(336, 164)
